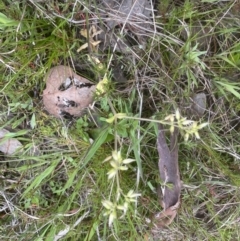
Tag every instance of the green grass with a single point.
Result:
(57, 182)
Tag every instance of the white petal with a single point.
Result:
(131, 194)
(197, 135)
(116, 156)
(107, 159)
(177, 114)
(114, 164)
(186, 136)
(170, 118)
(112, 216)
(202, 125)
(123, 168)
(112, 173)
(128, 160)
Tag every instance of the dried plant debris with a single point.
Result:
(8, 146)
(67, 94)
(135, 17)
(169, 174)
(127, 11)
(200, 33)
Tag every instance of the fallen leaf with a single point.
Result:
(83, 32)
(67, 94)
(95, 43)
(170, 178)
(165, 218)
(92, 33)
(84, 46)
(95, 61)
(8, 145)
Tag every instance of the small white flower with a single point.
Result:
(111, 211)
(108, 204)
(124, 208)
(131, 196)
(117, 163)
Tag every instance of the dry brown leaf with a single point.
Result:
(165, 218)
(66, 92)
(95, 43)
(84, 46)
(84, 33)
(92, 33)
(169, 174)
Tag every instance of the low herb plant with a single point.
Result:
(72, 179)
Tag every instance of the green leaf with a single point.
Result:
(230, 87)
(18, 122)
(33, 121)
(42, 177)
(14, 134)
(95, 146)
(92, 231)
(70, 180)
(6, 22)
(228, 60)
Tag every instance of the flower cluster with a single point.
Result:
(122, 201)
(118, 164)
(113, 207)
(189, 127)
